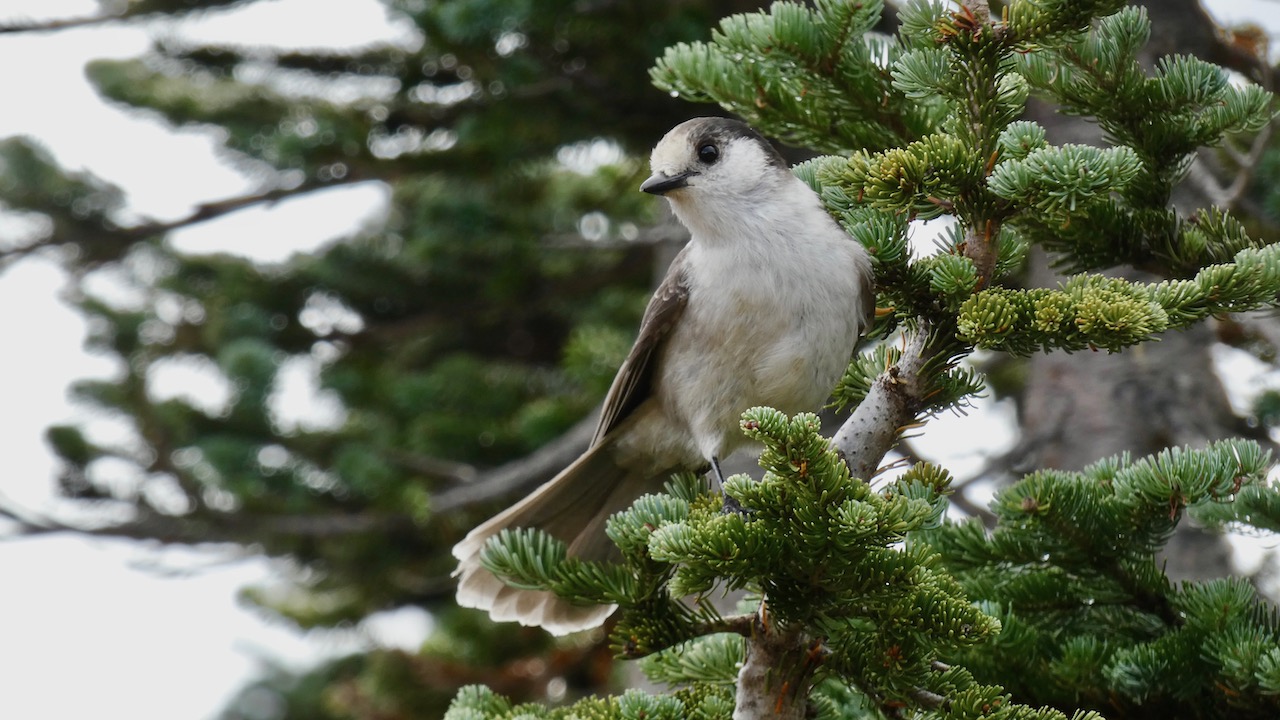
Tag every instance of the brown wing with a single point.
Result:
(634, 380)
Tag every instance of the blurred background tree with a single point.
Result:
(478, 322)
(468, 334)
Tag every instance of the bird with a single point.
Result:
(764, 305)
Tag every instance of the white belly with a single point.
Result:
(755, 337)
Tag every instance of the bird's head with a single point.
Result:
(713, 159)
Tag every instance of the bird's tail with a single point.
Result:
(572, 507)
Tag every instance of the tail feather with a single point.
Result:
(573, 507)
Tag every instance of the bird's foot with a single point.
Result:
(732, 506)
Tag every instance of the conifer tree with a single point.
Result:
(864, 601)
(478, 322)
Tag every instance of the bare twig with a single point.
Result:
(743, 625)
(961, 501)
(13, 255)
(125, 13)
(981, 10)
(929, 700)
(1246, 164)
(206, 527)
(42, 26)
(433, 467)
(204, 212)
(218, 208)
(516, 477)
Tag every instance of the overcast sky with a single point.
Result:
(101, 627)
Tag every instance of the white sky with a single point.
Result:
(93, 626)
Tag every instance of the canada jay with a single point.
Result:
(763, 307)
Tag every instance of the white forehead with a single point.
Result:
(674, 149)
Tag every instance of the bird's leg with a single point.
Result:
(717, 477)
(731, 504)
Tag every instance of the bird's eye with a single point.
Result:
(708, 153)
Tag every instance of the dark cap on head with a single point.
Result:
(724, 130)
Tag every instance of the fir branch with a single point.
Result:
(1087, 545)
(714, 660)
(1094, 311)
(807, 75)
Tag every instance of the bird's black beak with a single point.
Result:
(661, 183)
